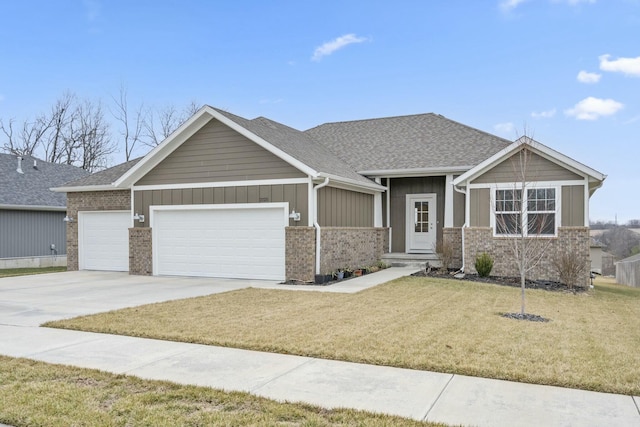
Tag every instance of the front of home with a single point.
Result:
(225, 196)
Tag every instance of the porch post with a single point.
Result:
(377, 207)
(448, 201)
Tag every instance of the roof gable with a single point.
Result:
(31, 188)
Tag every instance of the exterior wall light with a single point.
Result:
(139, 218)
(294, 215)
(68, 219)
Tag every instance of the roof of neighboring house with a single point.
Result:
(298, 145)
(632, 258)
(31, 187)
(105, 177)
(422, 141)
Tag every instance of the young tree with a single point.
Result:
(131, 123)
(525, 215)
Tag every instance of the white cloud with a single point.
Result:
(507, 6)
(504, 128)
(593, 108)
(544, 114)
(628, 66)
(588, 78)
(329, 47)
(574, 2)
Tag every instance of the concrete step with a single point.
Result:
(411, 260)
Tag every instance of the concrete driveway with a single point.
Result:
(33, 300)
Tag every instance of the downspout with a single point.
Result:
(315, 220)
(463, 225)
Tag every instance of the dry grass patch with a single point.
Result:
(450, 326)
(10, 272)
(40, 394)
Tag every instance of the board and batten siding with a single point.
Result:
(218, 153)
(344, 208)
(479, 207)
(572, 206)
(400, 187)
(294, 194)
(537, 169)
(31, 233)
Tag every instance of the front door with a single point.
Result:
(421, 223)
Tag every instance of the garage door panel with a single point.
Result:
(103, 240)
(235, 242)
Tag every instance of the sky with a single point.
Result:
(564, 72)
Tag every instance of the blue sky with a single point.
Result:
(566, 70)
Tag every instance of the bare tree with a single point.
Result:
(526, 215)
(131, 124)
(62, 114)
(91, 138)
(160, 123)
(29, 138)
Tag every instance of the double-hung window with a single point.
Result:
(530, 210)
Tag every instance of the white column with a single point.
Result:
(448, 201)
(377, 207)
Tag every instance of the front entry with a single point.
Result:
(421, 223)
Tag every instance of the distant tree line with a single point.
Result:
(605, 225)
(77, 131)
(620, 241)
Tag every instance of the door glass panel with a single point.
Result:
(421, 210)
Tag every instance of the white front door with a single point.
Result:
(421, 223)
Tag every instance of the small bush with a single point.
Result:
(444, 251)
(484, 264)
(570, 269)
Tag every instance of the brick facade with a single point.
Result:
(570, 240)
(351, 247)
(140, 252)
(300, 253)
(453, 237)
(90, 201)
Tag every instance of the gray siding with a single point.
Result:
(344, 208)
(400, 187)
(458, 208)
(537, 169)
(31, 233)
(480, 207)
(572, 206)
(294, 194)
(218, 153)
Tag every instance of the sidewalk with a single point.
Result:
(420, 395)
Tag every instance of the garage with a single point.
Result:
(103, 240)
(245, 241)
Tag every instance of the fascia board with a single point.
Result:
(103, 187)
(34, 208)
(395, 173)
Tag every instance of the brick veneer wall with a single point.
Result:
(140, 252)
(351, 247)
(117, 200)
(453, 237)
(300, 253)
(573, 241)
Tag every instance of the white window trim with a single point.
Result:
(525, 211)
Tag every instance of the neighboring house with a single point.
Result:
(31, 215)
(225, 196)
(628, 271)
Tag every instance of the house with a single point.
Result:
(225, 196)
(628, 271)
(31, 216)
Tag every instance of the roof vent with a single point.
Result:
(19, 170)
(35, 164)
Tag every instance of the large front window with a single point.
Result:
(535, 213)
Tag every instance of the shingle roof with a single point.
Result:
(407, 142)
(104, 177)
(31, 188)
(298, 145)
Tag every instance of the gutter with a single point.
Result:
(315, 220)
(463, 225)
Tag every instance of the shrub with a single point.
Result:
(444, 251)
(484, 264)
(570, 269)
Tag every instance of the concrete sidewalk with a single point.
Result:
(420, 395)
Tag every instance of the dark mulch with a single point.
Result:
(546, 285)
(526, 316)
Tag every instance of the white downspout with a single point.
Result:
(315, 221)
(466, 201)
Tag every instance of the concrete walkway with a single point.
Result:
(420, 395)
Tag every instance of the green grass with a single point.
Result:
(39, 394)
(9, 272)
(448, 326)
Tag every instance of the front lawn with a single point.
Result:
(39, 394)
(9, 272)
(591, 342)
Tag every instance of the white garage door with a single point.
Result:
(234, 241)
(103, 240)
